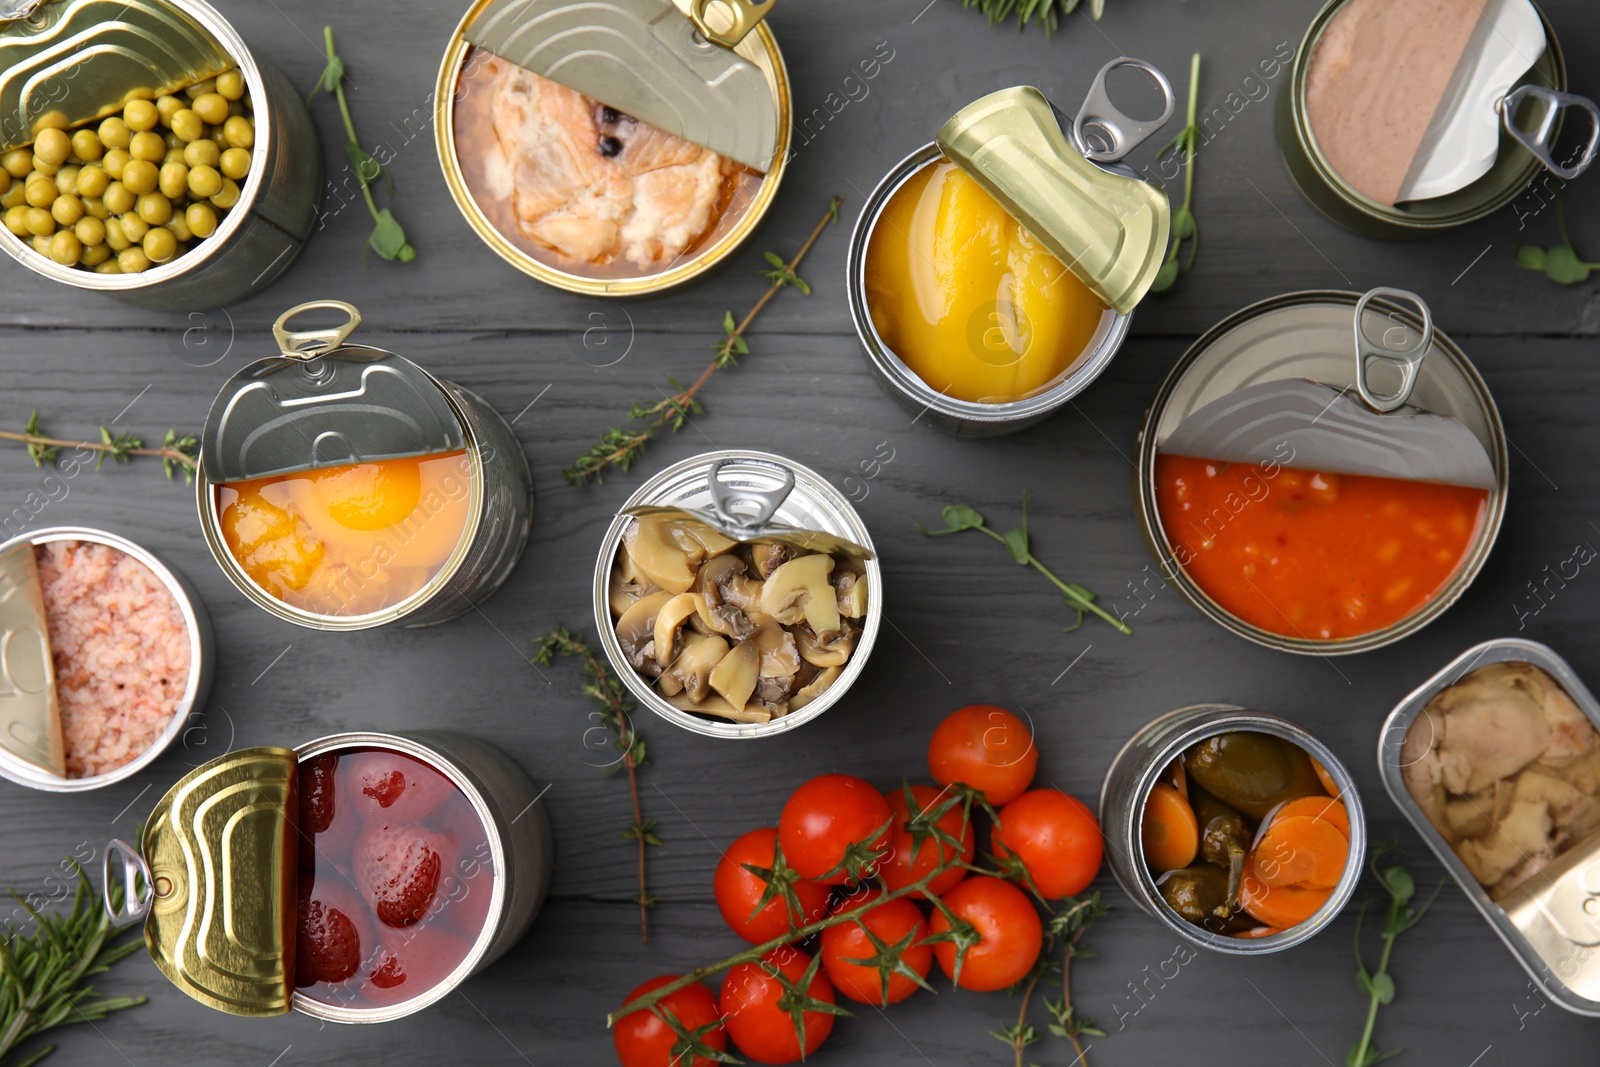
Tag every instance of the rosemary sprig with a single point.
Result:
(1184, 227)
(606, 691)
(388, 238)
(959, 517)
(1048, 12)
(44, 975)
(176, 452)
(621, 446)
(1378, 986)
(1560, 263)
(1065, 928)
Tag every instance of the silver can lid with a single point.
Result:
(324, 403)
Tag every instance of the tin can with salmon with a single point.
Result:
(1237, 829)
(1322, 472)
(1405, 118)
(342, 487)
(357, 878)
(613, 148)
(148, 154)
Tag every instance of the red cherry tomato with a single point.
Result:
(739, 891)
(1056, 837)
(891, 921)
(1006, 920)
(824, 817)
(900, 869)
(644, 1039)
(986, 747)
(755, 1007)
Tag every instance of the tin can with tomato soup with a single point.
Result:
(1139, 765)
(742, 477)
(214, 880)
(1308, 336)
(323, 402)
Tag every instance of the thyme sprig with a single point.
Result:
(1048, 12)
(44, 975)
(608, 692)
(388, 238)
(177, 452)
(1378, 986)
(1184, 227)
(1065, 928)
(621, 446)
(1081, 599)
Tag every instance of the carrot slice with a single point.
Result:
(1324, 808)
(1280, 906)
(1300, 851)
(1258, 931)
(1327, 779)
(1169, 828)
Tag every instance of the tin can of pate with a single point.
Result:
(415, 490)
(1308, 336)
(620, 103)
(1138, 767)
(225, 867)
(76, 57)
(32, 749)
(771, 501)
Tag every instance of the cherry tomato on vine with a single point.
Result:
(739, 891)
(756, 1006)
(899, 925)
(824, 818)
(901, 868)
(986, 747)
(1056, 837)
(645, 1039)
(1006, 920)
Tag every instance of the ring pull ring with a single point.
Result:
(125, 867)
(745, 13)
(1407, 362)
(1541, 142)
(1102, 132)
(308, 345)
(759, 505)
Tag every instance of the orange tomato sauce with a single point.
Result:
(1310, 554)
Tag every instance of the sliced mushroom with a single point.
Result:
(774, 690)
(830, 649)
(780, 658)
(715, 705)
(656, 554)
(850, 592)
(669, 624)
(690, 672)
(814, 688)
(636, 631)
(768, 558)
(736, 676)
(711, 543)
(723, 580)
(799, 590)
(626, 587)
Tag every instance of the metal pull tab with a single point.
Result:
(765, 502)
(1102, 132)
(1408, 362)
(313, 344)
(1540, 141)
(125, 867)
(744, 15)
(15, 10)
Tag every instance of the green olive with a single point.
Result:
(166, 107)
(236, 163)
(115, 161)
(92, 181)
(201, 88)
(133, 261)
(202, 219)
(114, 133)
(211, 107)
(67, 210)
(188, 125)
(160, 244)
(205, 182)
(140, 115)
(52, 146)
(140, 176)
(91, 231)
(174, 180)
(240, 131)
(148, 146)
(94, 255)
(119, 199)
(95, 207)
(40, 222)
(18, 162)
(134, 227)
(201, 153)
(229, 195)
(17, 220)
(230, 84)
(116, 237)
(65, 248)
(41, 191)
(86, 145)
(155, 209)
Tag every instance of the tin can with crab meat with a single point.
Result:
(613, 148)
(357, 878)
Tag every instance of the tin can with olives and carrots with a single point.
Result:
(1237, 829)
(737, 594)
(149, 154)
(613, 148)
(1322, 472)
(357, 878)
(342, 487)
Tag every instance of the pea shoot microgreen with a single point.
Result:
(1560, 263)
(177, 452)
(1378, 986)
(1184, 227)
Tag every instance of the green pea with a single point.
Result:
(166, 107)
(160, 244)
(201, 153)
(92, 181)
(174, 180)
(67, 179)
(65, 248)
(91, 231)
(211, 107)
(236, 163)
(67, 210)
(94, 255)
(114, 133)
(18, 162)
(17, 194)
(140, 115)
(95, 207)
(40, 222)
(188, 125)
(148, 146)
(229, 195)
(119, 199)
(115, 160)
(110, 266)
(52, 146)
(155, 209)
(41, 191)
(17, 220)
(230, 84)
(179, 225)
(86, 146)
(134, 227)
(205, 182)
(116, 238)
(240, 131)
(140, 176)
(133, 261)
(201, 88)
(202, 219)
(45, 168)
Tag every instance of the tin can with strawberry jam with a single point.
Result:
(357, 878)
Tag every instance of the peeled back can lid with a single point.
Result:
(1109, 228)
(323, 403)
(30, 720)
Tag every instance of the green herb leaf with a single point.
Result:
(1529, 257)
(1183, 226)
(1561, 265)
(1166, 277)
(1017, 542)
(389, 238)
(362, 162)
(961, 517)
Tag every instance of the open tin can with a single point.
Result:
(1308, 337)
(32, 748)
(415, 492)
(1528, 117)
(75, 61)
(1063, 182)
(746, 498)
(226, 863)
(617, 106)
(1138, 767)
(1551, 922)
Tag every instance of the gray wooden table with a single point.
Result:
(967, 625)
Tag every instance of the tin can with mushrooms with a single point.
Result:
(342, 487)
(613, 148)
(1278, 837)
(70, 724)
(1510, 727)
(357, 878)
(737, 594)
(1307, 409)
(149, 154)
(1062, 240)
(1404, 119)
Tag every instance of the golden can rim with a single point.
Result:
(694, 267)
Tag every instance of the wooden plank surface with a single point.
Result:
(967, 625)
